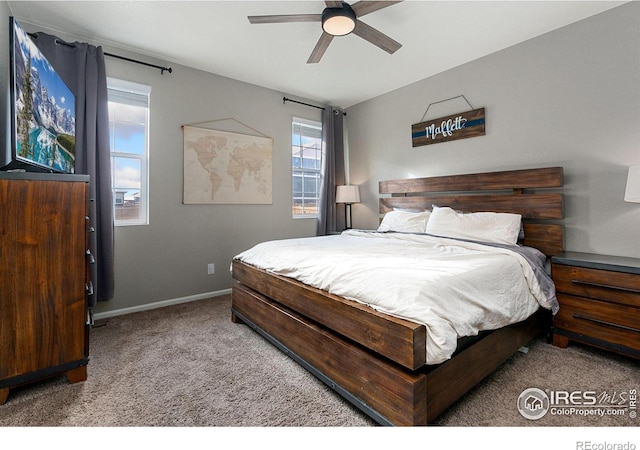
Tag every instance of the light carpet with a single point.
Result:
(188, 365)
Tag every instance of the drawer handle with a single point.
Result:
(603, 322)
(605, 286)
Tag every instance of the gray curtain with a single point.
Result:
(82, 68)
(332, 174)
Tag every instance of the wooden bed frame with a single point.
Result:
(377, 361)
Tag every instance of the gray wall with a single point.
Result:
(569, 98)
(168, 258)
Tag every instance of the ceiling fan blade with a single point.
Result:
(320, 48)
(333, 4)
(364, 7)
(376, 38)
(286, 18)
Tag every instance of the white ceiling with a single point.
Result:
(216, 36)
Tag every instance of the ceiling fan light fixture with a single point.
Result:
(339, 21)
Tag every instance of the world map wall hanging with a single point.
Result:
(226, 168)
(449, 128)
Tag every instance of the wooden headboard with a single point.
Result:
(508, 191)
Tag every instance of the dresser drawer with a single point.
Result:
(616, 287)
(613, 323)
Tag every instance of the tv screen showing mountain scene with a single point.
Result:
(43, 109)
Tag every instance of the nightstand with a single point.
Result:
(599, 298)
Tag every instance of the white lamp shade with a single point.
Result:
(347, 194)
(632, 193)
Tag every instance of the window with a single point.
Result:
(129, 136)
(306, 161)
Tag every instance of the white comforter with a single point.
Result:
(454, 288)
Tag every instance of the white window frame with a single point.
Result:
(128, 92)
(294, 170)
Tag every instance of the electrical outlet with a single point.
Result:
(211, 268)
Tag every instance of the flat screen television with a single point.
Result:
(41, 111)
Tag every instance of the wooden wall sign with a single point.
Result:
(450, 128)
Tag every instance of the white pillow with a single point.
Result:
(500, 228)
(406, 221)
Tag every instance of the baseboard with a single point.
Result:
(160, 304)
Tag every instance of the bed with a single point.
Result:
(399, 369)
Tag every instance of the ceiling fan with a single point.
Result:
(339, 19)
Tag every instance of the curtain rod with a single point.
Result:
(124, 58)
(285, 99)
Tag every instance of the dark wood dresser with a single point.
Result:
(599, 298)
(44, 329)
